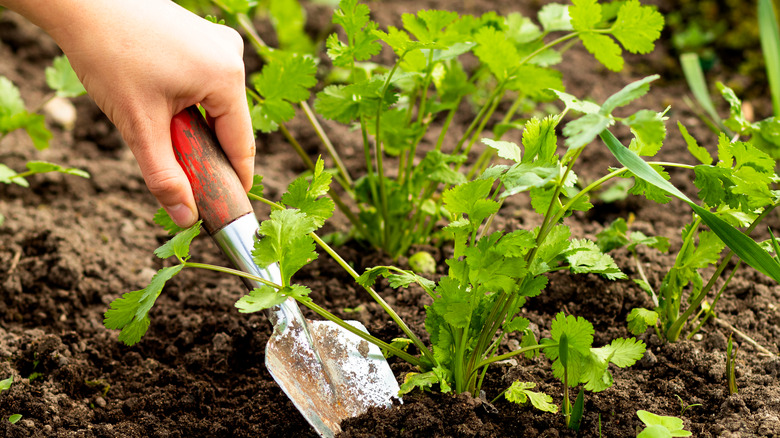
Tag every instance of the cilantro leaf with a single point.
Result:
(579, 338)
(283, 81)
(361, 42)
(61, 78)
(584, 256)
(580, 132)
(585, 14)
(697, 151)
(179, 245)
(627, 94)
(266, 297)
(539, 139)
(625, 352)
(469, 199)
(286, 241)
(308, 196)
(605, 49)
(640, 319)
(520, 393)
(6, 383)
(554, 17)
(162, 219)
(505, 149)
(496, 52)
(649, 129)
(637, 27)
(130, 312)
(345, 103)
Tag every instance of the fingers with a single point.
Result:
(229, 115)
(162, 173)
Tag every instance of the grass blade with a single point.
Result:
(745, 247)
(698, 84)
(770, 45)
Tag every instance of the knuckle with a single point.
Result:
(164, 182)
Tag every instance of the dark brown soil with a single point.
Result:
(69, 246)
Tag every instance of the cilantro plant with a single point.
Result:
(399, 106)
(738, 188)
(661, 426)
(14, 116)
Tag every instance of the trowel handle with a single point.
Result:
(219, 195)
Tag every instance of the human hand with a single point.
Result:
(142, 62)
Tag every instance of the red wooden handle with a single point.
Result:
(219, 195)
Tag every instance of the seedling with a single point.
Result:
(13, 419)
(6, 383)
(13, 116)
(685, 406)
(731, 376)
(658, 426)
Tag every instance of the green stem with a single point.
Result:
(363, 335)
(379, 157)
(511, 354)
(231, 271)
(710, 312)
(334, 155)
(446, 125)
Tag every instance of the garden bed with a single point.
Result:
(69, 246)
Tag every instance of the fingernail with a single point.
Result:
(181, 215)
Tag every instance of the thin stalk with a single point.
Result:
(511, 354)
(379, 157)
(231, 271)
(709, 313)
(485, 108)
(328, 145)
(446, 125)
(482, 124)
(744, 336)
(420, 115)
(263, 50)
(363, 335)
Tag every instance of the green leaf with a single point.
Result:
(673, 425)
(649, 129)
(130, 313)
(578, 339)
(627, 94)
(362, 43)
(614, 236)
(288, 76)
(289, 19)
(309, 198)
(625, 352)
(179, 245)
(640, 319)
(536, 82)
(575, 104)
(539, 139)
(11, 102)
(469, 199)
(162, 219)
(286, 241)
(585, 14)
(581, 132)
(520, 393)
(697, 151)
(234, 7)
(418, 380)
(257, 186)
(637, 27)
(13, 419)
(61, 78)
(45, 166)
(584, 256)
(6, 383)
(345, 103)
(506, 149)
(259, 299)
(605, 49)
(496, 52)
(555, 17)
(736, 120)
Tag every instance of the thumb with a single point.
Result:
(163, 175)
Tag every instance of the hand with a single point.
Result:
(143, 61)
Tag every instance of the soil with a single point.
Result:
(69, 246)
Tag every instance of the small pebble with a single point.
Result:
(698, 337)
(100, 402)
(62, 112)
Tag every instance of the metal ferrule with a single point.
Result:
(237, 240)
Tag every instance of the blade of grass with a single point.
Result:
(770, 45)
(745, 247)
(698, 85)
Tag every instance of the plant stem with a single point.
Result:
(747, 338)
(231, 271)
(326, 141)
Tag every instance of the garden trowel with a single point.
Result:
(329, 373)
